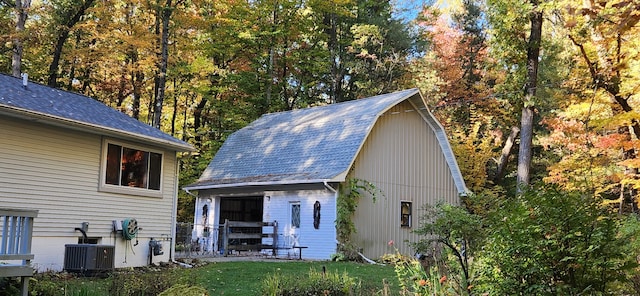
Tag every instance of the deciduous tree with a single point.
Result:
(20, 13)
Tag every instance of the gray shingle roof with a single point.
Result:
(73, 110)
(309, 145)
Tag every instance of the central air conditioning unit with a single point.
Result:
(88, 258)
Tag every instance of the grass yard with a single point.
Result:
(219, 278)
(245, 278)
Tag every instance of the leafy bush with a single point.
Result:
(630, 230)
(550, 242)
(542, 242)
(339, 257)
(147, 283)
(451, 235)
(414, 280)
(395, 258)
(316, 283)
(65, 284)
(9, 286)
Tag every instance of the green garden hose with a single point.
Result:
(129, 228)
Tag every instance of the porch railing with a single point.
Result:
(236, 232)
(15, 245)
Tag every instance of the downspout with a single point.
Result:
(174, 212)
(197, 205)
(335, 192)
(195, 211)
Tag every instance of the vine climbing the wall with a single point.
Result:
(351, 191)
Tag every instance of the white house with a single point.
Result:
(96, 176)
(288, 167)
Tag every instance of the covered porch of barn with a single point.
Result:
(277, 221)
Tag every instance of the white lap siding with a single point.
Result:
(56, 171)
(321, 242)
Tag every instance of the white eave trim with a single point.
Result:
(89, 127)
(248, 184)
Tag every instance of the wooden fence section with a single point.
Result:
(15, 245)
(247, 236)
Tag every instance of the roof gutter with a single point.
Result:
(248, 184)
(88, 127)
(189, 192)
(326, 185)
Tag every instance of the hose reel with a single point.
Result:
(129, 228)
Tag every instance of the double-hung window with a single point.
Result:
(131, 170)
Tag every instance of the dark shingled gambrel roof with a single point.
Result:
(72, 110)
(311, 145)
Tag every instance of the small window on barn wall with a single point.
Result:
(131, 169)
(295, 214)
(405, 214)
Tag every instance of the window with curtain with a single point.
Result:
(131, 169)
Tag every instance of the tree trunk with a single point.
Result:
(164, 57)
(174, 115)
(506, 152)
(270, 71)
(524, 152)
(57, 53)
(74, 62)
(330, 30)
(526, 122)
(137, 81)
(197, 121)
(61, 39)
(21, 19)
(185, 123)
(122, 94)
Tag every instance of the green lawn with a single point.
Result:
(245, 278)
(219, 278)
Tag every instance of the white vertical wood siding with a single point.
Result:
(402, 158)
(321, 242)
(213, 204)
(56, 171)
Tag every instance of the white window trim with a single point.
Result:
(104, 187)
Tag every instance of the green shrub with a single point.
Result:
(137, 283)
(414, 280)
(449, 237)
(316, 283)
(65, 284)
(551, 242)
(338, 257)
(395, 258)
(9, 286)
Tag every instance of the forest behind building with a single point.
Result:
(539, 100)
(556, 81)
